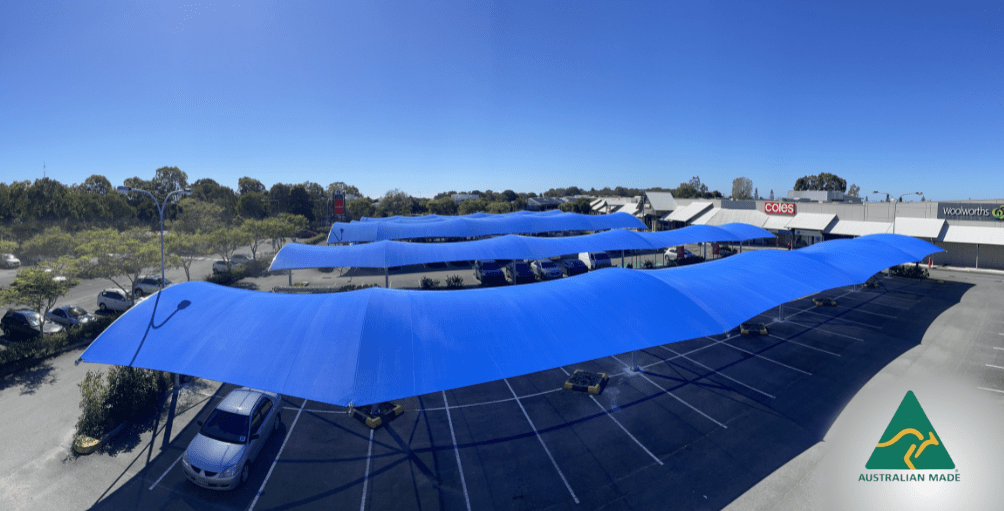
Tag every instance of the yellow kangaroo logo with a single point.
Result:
(924, 443)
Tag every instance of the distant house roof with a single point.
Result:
(688, 212)
(633, 208)
(661, 201)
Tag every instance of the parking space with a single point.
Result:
(702, 422)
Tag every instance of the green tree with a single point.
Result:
(252, 205)
(472, 206)
(339, 185)
(280, 194)
(98, 184)
(285, 226)
(442, 206)
(167, 180)
(52, 243)
(226, 241)
(194, 216)
(397, 202)
(187, 247)
(247, 184)
(112, 255)
(358, 208)
(260, 230)
(821, 182)
(742, 188)
(854, 191)
(299, 202)
(498, 207)
(35, 289)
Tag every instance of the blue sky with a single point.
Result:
(429, 96)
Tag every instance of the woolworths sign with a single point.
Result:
(971, 211)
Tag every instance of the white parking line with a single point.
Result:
(654, 457)
(718, 373)
(155, 483)
(676, 398)
(456, 450)
(366, 480)
(996, 348)
(991, 390)
(548, 451)
(805, 345)
(289, 433)
(827, 331)
(993, 366)
(837, 318)
(856, 309)
(767, 359)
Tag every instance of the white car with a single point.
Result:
(9, 261)
(149, 285)
(115, 299)
(240, 258)
(545, 269)
(671, 254)
(221, 266)
(221, 454)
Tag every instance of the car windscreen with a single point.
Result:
(226, 427)
(76, 311)
(32, 318)
(600, 256)
(522, 267)
(547, 264)
(489, 266)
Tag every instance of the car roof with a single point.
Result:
(113, 289)
(240, 401)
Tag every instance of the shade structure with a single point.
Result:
(470, 226)
(375, 345)
(386, 254)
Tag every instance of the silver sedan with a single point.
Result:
(220, 456)
(69, 315)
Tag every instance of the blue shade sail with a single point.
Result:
(386, 254)
(470, 226)
(376, 344)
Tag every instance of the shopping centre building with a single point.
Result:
(970, 232)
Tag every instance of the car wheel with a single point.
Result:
(138, 292)
(278, 419)
(245, 472)
(102, 306)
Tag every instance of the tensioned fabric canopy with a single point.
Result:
(386, 254)
(376, 344)
(472, 226)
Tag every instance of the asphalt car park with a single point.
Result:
(703, 421)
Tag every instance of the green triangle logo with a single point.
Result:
(910, 442)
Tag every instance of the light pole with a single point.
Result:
(125, 190)
(894, 206)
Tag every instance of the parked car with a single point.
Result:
(672, 255)
(56, 277)
(572, 267)
(115, 299)
(240, 258)
(545, 269)
(221, 266)
(149, 285)
(518, 271)
(306, 233)
(595, 260)
(9, 261)
(488, 272)
(69, 315)
(26, 324)
(221, 454)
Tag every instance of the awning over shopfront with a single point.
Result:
(688, 212)
(777, 222)
(919, 227)
(811, 221)
(974, 235)
(375, 344)
(859, 228)
(744, 216)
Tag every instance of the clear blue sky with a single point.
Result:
(428, 96)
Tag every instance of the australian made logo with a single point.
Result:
(910, 443)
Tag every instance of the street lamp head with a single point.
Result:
(186, 191)
(124, 190)
(876, 191)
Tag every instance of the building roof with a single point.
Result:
(919, 227)
(811, 221)
(661, 201)
(974, 234)
(631, 209)
(688, 212)
(777, 222)
(859, 228)
(703, 218)
(743, 216)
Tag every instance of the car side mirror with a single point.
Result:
(255, 436)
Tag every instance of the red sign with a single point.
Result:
(779, 208)
(339, 207)
(679, 252)
(714, 248)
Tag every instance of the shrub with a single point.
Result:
(316, 240)
(910, 272)
(24, 354)
(257, 267)
(428, 283)
(93, 394)
(454, 282)
(649, 265)
(129, 392)
(227, 278)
